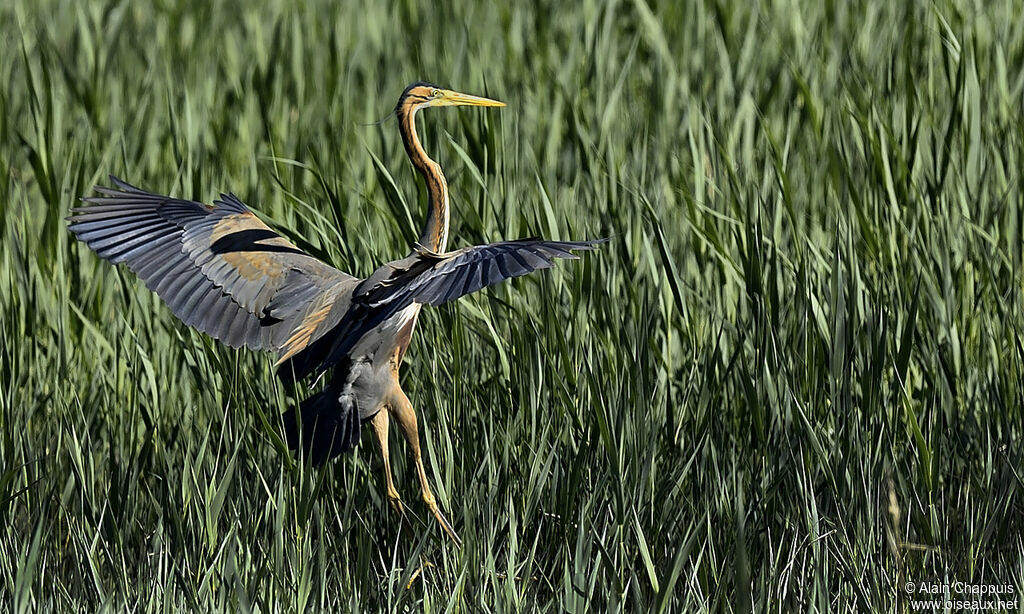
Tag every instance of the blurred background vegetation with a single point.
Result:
(792, 381)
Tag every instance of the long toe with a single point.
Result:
(396, 503)
(445, 524)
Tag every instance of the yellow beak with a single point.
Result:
(456, 99)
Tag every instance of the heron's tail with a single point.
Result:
(323, 426)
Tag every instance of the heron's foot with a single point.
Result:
(395, 501)
(423, 565)
(428, 498)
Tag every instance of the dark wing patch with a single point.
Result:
(431, 279)
(219, 268)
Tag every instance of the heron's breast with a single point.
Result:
(403, 338)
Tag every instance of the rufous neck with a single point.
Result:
(435, 231)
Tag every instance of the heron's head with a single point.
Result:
(422, 95)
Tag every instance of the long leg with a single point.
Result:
(379, 423)
(402, 411)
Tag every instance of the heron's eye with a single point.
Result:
(435, 93)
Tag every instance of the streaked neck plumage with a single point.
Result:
(435, 232)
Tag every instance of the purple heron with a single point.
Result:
(224, 272)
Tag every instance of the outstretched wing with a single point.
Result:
(219, 268)
(430, 279)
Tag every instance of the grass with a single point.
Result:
(793, 380)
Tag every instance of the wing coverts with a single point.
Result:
(219, 268)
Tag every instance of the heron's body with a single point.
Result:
(226, 273)
(371, 375)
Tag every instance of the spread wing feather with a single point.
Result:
(430, 279)
(219, 268)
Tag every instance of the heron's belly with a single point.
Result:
(368, 386)
(371, 377)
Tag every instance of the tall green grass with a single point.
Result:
(793, 380)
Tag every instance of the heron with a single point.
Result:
(225, 272)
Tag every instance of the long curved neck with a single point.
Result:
(435, 232)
